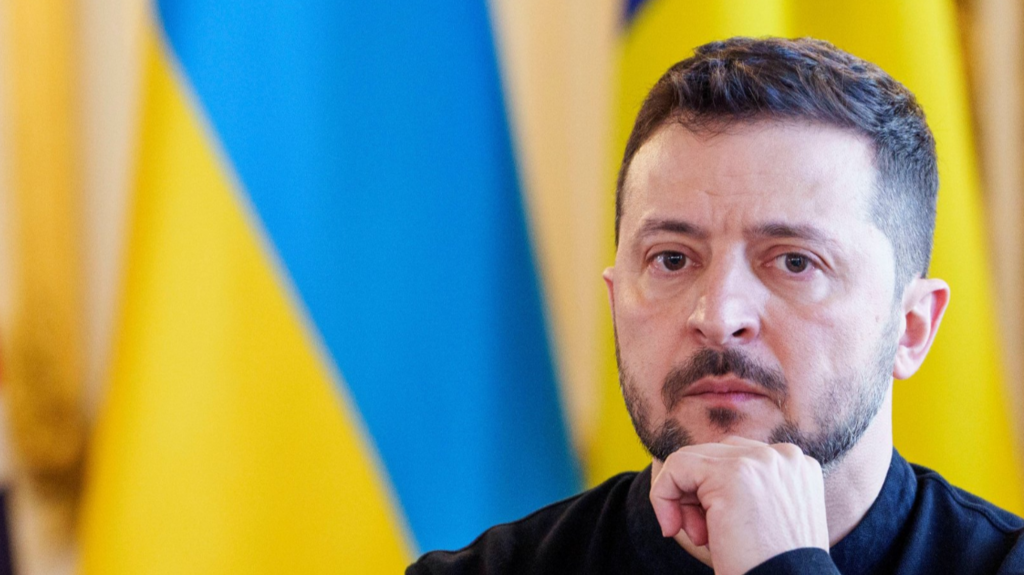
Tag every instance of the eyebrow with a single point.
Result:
(780, 230)
(685, 228)
(767, 230)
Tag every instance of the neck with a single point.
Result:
(854, 484)
(851, 487)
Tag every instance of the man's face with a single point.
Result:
(752, 293)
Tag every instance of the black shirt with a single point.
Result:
(918, 524)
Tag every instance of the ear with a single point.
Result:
(609, 282)
(924, 302)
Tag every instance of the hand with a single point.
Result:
(746, 500)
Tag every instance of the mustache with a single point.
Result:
(712, 363)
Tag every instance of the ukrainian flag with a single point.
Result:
(333, 351)
(333, 348)
(951, 416)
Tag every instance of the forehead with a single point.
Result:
(749, 174)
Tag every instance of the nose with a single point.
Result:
(729, 304)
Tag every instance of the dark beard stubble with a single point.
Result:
(862, 395)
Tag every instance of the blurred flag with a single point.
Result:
(42, 428)
(332, 351)
(952, 416)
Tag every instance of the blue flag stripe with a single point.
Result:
(375, 149)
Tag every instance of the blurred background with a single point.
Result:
(315, 287)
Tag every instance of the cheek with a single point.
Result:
(649, 333)
(662, 292)
(817, 344)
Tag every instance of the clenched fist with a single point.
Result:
(746, 500)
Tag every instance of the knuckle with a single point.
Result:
(813, 463)
(674, 458)
(734, 440)
(767, 455)
(746, 468)
(790, 452)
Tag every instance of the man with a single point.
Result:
(774, 218)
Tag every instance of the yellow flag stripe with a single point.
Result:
(222, 446)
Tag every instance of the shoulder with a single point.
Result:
(964, 529)
(548, 540)
(964, 505)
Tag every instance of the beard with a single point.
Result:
(842, 414)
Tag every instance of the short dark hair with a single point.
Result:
(752, 79)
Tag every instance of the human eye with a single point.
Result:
(671, 261)
(794, 263)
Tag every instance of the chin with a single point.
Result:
(719, 424)
(720, 436)
(690, 426)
